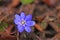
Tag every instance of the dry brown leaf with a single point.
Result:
(39, 28)
(50, 2)
(14, 3)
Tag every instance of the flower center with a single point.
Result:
(23, 22)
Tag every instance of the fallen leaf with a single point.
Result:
(39, 28)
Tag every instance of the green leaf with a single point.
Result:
(24, 2)
(43, 24)
(3, 25)
(1, 28)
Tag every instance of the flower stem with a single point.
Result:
(17, 35)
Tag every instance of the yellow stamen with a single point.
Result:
(23, 22)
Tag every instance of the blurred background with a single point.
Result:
(46, 14)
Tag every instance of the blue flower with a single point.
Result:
(24, 22)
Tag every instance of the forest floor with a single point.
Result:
(45, 13)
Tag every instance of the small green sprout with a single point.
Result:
(24, 2)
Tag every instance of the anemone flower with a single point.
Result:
(24, 22)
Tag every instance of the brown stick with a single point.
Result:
(55, 27)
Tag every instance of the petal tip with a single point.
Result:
(16, 15)
(22, 15)
(28, 29)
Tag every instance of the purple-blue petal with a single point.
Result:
(28, 17)
(16, 21)
(20, 28)
(30, 23)
(22, 15)
(27, 29)
(17, 17)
